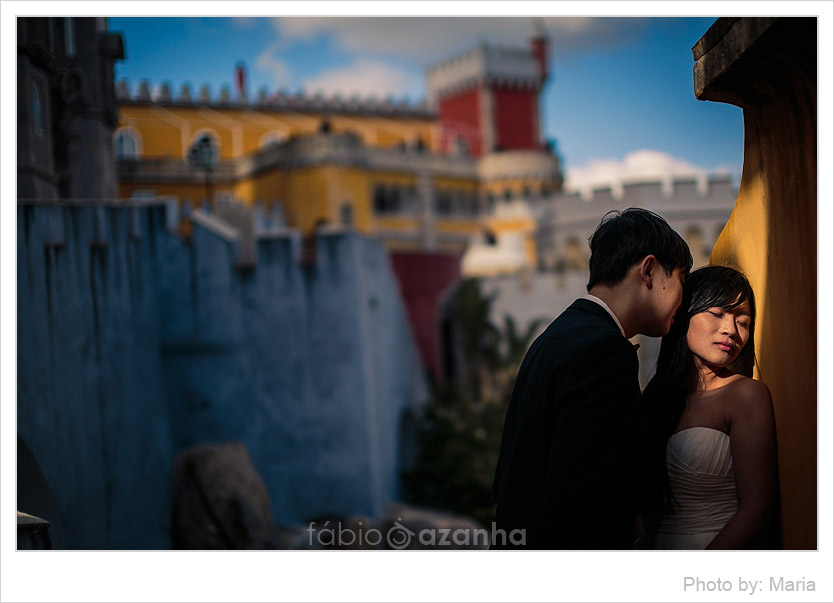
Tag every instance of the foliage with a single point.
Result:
(478, 336)
(459, 430)
(458, 447)
(510, 350)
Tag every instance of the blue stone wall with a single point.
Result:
(90, 393)
(131, 352)
(311, 367)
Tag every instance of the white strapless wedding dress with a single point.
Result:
(702, 480)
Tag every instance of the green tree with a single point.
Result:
(458, 447)
(459, 430)
(512, 346)
(479, 337)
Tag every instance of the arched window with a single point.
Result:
(204, 149)
(37, 109)
(127, 144)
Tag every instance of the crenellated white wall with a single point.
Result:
(688, 205)
(696, 210)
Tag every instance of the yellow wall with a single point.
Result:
(771, 237)
(169, 131)
(388, 131)
(311, 194)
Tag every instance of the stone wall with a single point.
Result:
(310, 367)
(134, 343)
(697, 209)
(91, 403)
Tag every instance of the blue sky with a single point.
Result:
(621, 94)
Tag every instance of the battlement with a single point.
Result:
(113, 307)
(662, 196)
(495, 64)
(146, 94)
(698, 209)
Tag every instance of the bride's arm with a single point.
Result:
(753, 445)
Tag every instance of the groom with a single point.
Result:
(567, 470)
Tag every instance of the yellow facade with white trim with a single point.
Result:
(326, 168)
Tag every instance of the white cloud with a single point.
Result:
(637, 166)
(363, 77)
(270, 62)
(428, 39)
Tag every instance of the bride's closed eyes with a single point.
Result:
(742, 320)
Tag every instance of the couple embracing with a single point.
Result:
(587, 461)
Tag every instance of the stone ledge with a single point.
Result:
(30, 522)
(722, 45)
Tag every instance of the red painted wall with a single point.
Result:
(460, 115)
(516, 118)
(424, 278)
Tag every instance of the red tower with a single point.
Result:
(487, 100)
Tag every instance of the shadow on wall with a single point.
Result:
(767, 66)
(34, 496)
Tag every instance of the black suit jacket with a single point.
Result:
(567, 468)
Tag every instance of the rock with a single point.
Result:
(220, 501)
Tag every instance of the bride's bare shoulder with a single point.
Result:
(747, 387)
(749, 397)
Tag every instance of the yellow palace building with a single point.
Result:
(457, 169)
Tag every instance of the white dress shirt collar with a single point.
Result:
(597, 300)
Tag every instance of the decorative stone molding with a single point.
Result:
(342, 148)
(279, 101)
(519, 164)
(172, 170)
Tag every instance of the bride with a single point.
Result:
(709, 435)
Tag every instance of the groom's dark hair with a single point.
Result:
(626, 237)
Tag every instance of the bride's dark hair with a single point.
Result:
(663, 399)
